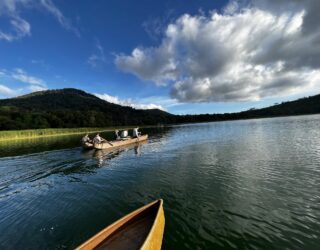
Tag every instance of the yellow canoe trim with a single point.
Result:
(152, 242)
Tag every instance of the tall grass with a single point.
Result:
(33, 133)
(47, 132)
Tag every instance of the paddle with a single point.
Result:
(108, 142)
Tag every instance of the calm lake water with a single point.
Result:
(251, 184)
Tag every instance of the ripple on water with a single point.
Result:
(242, 184)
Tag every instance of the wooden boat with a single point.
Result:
(109, 151)
(141, 229)
(87, 145)
(119, 143)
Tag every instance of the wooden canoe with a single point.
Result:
(141, 229)
(87, 145)
(119, 143)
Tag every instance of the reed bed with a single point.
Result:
(47, 132)
(35, 133)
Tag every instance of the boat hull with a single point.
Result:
(87, 145)
(119, 143)
(120, 230)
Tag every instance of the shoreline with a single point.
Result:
(109, 129)
(37, 132)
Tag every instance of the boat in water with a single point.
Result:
(87, 145)
(119, 143)
(141, 229)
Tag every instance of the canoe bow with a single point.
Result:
(152, 241)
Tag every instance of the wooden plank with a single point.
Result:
(119, 143)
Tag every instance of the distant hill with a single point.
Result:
(69, 108)
(303, 106)
(72, 108)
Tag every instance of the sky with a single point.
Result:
(182, 56)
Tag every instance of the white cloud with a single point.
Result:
(31, 83)
(65, 22)
(153, 64)
(137, 104)
(98, 57)
(6, 91)
(242, 54)
(18, 27)
(12, 6)
(35, 88)
(22, 76)
(231, 8)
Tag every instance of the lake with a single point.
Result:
(252, 184)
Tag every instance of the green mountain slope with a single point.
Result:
(71, 108)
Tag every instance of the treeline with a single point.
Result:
(71, 108)
(304, 106)
(12, 118)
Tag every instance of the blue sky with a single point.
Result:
(169, 54)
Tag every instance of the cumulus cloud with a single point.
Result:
(243, 53)
(231, 8)
(154, 64)
(17, 27)
(137, 104)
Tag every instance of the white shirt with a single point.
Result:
(85, 139)
(97, 139)
(135, 132)
(124, 133)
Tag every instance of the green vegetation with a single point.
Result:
(33, 133)
(71, 108)
(52, 110)
(13, 147)
(36, 133)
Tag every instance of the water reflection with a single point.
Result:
(36, 145)
(137, 150)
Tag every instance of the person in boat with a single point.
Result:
(116, 135)
(124, 134)
(86, 139)
(98, 139)
(136, 133)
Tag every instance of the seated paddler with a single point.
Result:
(86, 139)
(98, 139)
(136, 133)
(116, 135)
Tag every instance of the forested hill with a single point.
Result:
(305, 106)
(69, 108)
